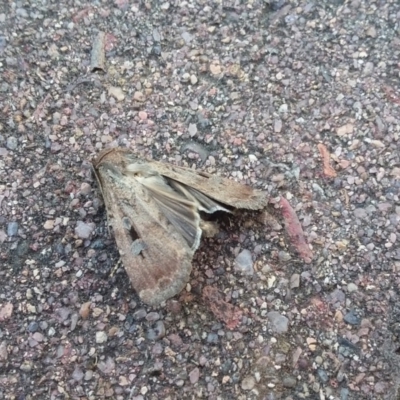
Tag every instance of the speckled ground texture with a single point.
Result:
(246, 89)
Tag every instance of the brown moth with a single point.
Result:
(155, 212)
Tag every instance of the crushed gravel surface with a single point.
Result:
(298, 98)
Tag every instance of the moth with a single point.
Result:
(156, 209)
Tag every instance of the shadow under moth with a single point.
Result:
(155, 211)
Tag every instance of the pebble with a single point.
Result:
(84, 230)
(193, 79)
(116, 92)
(78, 374)
(197, 148)
(280, 324)
(248, 383)
(352, 287)
(139, 314)
(284, 256)
(74, 321)
(187, 37)
(152, 316)
(158, 332)
(277, 125)
(49, 224)
(289, 382)
(192, 130)
(101, 337)
(185, 77)
(139, 96)
(12, 228)
(371, 31)
(360, 213)
(38, 337)
(12, 143)
(294, 281)
(108, 366)
(244, 262)
(63, 313)
(3, 351)
(344, 393)
(194, 375)
(212, 338)
(352, 318)
(33, 327)
(26, 366)
(322, 375)
(85, 309)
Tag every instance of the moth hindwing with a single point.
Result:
(155, 212)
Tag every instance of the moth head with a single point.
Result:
(141, 170)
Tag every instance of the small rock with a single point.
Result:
(101, 337)
(139, 314)
(360, 213)
(289, 382)
(280, 323)
(352, 287)
(38, 337)
(252, 158)
(294, 281)
(85, 189)
(116, 92)
(158, 332)
(85, 310)
(152, 316)
(192, 130)
(193, 79)
(142, 115)
(33, 327)
(322, 375)
(352, 319)
(244, 262)
(84, 230)
(277, 125)
(108, 366)
(283, 109)
(345, 129)
(77, 374)
(248, 383)
(185, 77)
(3, 351)
(284, 256)
(49, 224)
(63, 313)
(12, 228)
(371, 31)
(26, 366)
(6, 311)
(197, 148)
(212, 338)
(12, 143)
(139, 96)
(187, 37)
(215, 68)
(74, 321)
(194, 376)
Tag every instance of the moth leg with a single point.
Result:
(116, 266)
(209, 228)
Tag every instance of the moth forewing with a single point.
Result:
(223, 190)
(154, 209)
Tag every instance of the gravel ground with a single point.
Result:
(261, 91)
